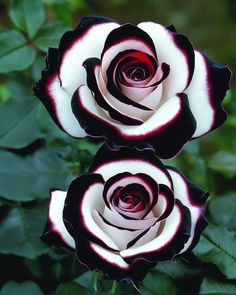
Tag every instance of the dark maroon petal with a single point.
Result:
(41, 88)
(171, 28)
(218, 81)
(90, 65)
(76, 221)
(96, 261)
(166, 140)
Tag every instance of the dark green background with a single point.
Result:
(35, 155)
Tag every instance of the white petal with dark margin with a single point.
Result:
(61, 101)
(72, 73)
(199, 96)
(172, 224)
(121, 237)
(182, 193)
(170, 53)
(55, 217)
(93, 200)
(165, 114)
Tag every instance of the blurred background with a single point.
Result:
(35, 155)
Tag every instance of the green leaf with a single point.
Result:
(16, 55)
(223, 211)
(50, 35)
(27, 15)
(158, 283)
(217, 246)
(32, 175)
(178, 269)
(18, 128)
(212, 287)
(20, 232)
(225, 163)
(71, 288)
(25, 288)
(86, 280)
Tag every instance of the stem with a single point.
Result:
(113, 288)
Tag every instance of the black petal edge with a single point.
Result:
(90, 258)
(174, 245)
(163, 140)
(41, 87)
(219, 77)
(50, 235)
(105, 155)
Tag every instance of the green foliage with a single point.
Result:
(158, 283)
(27, 15)
(16, 55)
(20, 231)
(217, 246)
(36, 155)
(26, 288)
(213, 287)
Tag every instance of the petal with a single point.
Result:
(169, 242)
(121, 236)
(92, 67)
(97, 258)
(206, 92)
(124, 38)
(86, 41)
(176, 50)
(127, 109)
(125, 179)
(108, 163)
(113, 217)
(55, 232)
(84, 195)
(158, 132)
(56, 100)
(194, 198)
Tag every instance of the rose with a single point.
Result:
(143, 86)
(127, 213)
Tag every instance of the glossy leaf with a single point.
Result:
(223, 211)
(27, 15)
(71, 288)
(217, 246)
(19, 127)
(50, 35)
(20, 232)
(17, 54)
(32, 175)
(224, 162)
(158, 283)
(210, 286)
